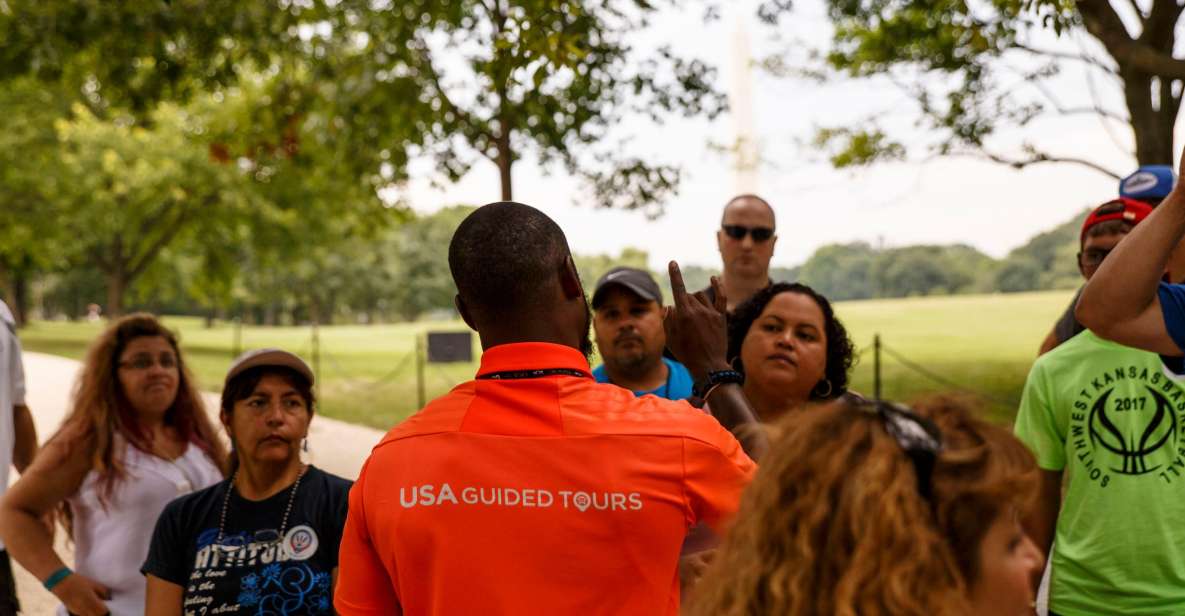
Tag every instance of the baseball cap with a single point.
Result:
(1128, 210)
(638, 281)
(268, 357)
(1149, 183)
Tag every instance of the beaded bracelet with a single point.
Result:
(56, 578)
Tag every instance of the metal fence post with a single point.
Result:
(317, 357)
(876, 366)
(420, 371)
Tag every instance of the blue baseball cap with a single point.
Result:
(1150, 183)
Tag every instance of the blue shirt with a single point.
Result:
(677, 387)
(1172, 306)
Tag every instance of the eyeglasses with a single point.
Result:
(168, 361)
(918, 437)
(1093, 256)
(738, 232)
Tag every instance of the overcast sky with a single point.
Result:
(988, 206)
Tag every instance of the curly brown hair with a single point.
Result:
(834, 522)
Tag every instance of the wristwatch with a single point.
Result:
(717, 377)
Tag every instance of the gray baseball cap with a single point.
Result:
(637, 281)
(268, 357)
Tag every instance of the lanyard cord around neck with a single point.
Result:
(512, 375)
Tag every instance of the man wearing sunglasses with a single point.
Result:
(1101, 232)
(746, 241)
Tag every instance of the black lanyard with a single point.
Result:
(531, 374)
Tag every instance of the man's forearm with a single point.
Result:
(24, 446)
(1126, 283)
(731, 408)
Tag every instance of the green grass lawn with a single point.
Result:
(367, 374)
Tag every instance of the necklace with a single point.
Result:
(287, 509)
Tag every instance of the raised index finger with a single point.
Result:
(678, 288)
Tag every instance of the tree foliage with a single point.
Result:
(974, 69)
(494, 79)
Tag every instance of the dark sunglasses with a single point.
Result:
(738, 232)
(918, 437)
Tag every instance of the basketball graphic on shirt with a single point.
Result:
(1131, 429)
(300, 542)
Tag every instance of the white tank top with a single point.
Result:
(110, 544)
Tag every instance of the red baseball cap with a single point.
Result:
(1127, 210)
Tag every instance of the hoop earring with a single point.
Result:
(830, 389)
(304, 444)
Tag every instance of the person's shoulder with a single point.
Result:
(444, 414)
(613, 410)
(600, 375)
(186, 505)
(328, 481)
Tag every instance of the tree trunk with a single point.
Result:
(1153, 111)
(20, 297)
(117, 283)
(505, 162)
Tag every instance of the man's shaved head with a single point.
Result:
(505, 256)
(747, 202)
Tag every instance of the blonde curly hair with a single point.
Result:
(834, 523)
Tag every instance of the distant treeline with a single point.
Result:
(862, 271)
(401, 273)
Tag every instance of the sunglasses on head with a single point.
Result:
(738, 232)
(918, 437)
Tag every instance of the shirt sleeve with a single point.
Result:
(17, 374)
(1037, 424)
(166, 554)
(1172, 307)
(716, 471)
(363, 586)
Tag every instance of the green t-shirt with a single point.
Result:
(1114, 418)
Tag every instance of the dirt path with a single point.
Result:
(334, 446)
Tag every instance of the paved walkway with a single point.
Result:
(334, 446)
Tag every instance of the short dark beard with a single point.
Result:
(633, 367)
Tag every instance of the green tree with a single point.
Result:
(842, 271)
(30, 241)
(134, 55)
(494, 79)
(592, 267)
(418, 255)
(127, 192)
(957, 61)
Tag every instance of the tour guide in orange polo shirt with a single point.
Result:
(533, 489)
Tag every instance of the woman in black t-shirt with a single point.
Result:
(264, 541)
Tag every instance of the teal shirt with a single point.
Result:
(677, 387)
(1112, 418)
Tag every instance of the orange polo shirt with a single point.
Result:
(546, 495)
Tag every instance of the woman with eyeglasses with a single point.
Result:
(136, 437)
(264, 541)
(872, 509)
(791, 348)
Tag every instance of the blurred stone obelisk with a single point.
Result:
(746, 156)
